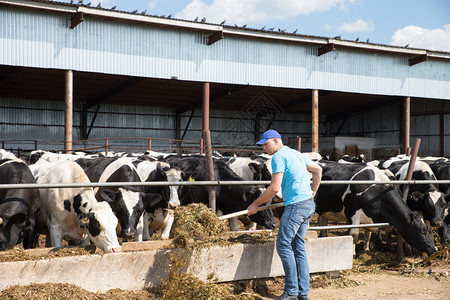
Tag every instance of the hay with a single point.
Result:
(60, 291)
(18, 254)
(195, 222)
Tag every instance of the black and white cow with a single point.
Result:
(425, 198)
(368, 203)
(441, 170)
(229, 198)
(127, 202)
(249, 170)
(18, 207)
(160, 216)
(73, 213)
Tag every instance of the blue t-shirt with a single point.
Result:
(296, 184)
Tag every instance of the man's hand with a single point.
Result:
(252, 209)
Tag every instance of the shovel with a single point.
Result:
(244, 212)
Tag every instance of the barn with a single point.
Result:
(72, 75)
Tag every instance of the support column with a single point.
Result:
(406, 110)
(68, 125)
(208, 148)
(315, 121)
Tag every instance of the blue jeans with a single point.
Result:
(291, 246)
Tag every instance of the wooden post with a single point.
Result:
(210, 169)
(299, 144)
(315, 121)
(68, 125)
(409, 173)
(149, 144)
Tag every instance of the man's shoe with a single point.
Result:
(285, 296)
(302, 298)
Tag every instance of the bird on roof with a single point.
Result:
(367, 41)
(203, 20)
(338, 37)
(162, 16)
(196, 19)
(99, 5)
(169, 16)
(271, 28)
(264, 27)
(295, 31)
(114, 7)
(407, 45)
(144, 12)
(89, 4)
(357, 39)
(223, 22)
(80, 1)
(134, 11)
(71, 1)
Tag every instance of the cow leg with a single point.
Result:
(233, 223)
(55, 235)
(139, 229)
(323, 222)
(145, 229)
(165, 231)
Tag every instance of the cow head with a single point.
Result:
(417, 235)
(13, 219)
(170, 193)
(263, 218)
(444, 231)
(431, 204)
(127, 205)
(100, 225)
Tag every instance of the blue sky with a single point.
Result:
(423, 24)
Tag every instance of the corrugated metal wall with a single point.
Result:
(44, 39)
(43, 121)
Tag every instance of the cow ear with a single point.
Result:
(190, 176)
(447, 200)
(254, 167)
(106, 195)
(151, 199)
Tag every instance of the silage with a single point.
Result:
(195, 222)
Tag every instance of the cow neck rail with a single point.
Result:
(203, 183)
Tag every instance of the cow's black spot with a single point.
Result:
(77, 203)
(67, 205)
(94, 225)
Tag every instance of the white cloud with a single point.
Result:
(255, 11)
(358, 26)
(418, 37)
(152, 4)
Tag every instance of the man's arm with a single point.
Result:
(316, 172)
(271, 191)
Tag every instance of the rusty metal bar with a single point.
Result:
(299, 144)
(149, 144)
(68, 112)
(106, 146)
(205, 119)
(315, 121)
(210, 169)
(406, 112)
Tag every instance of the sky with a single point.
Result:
(422, 24)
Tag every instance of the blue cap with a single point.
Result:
(269, 134)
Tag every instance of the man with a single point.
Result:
(290, 173)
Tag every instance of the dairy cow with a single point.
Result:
(160, 215)
(18, 207)
(127, 202)
(72, 213)
(368, 203)
(229, 198)
(425, 198)
(249, 170)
